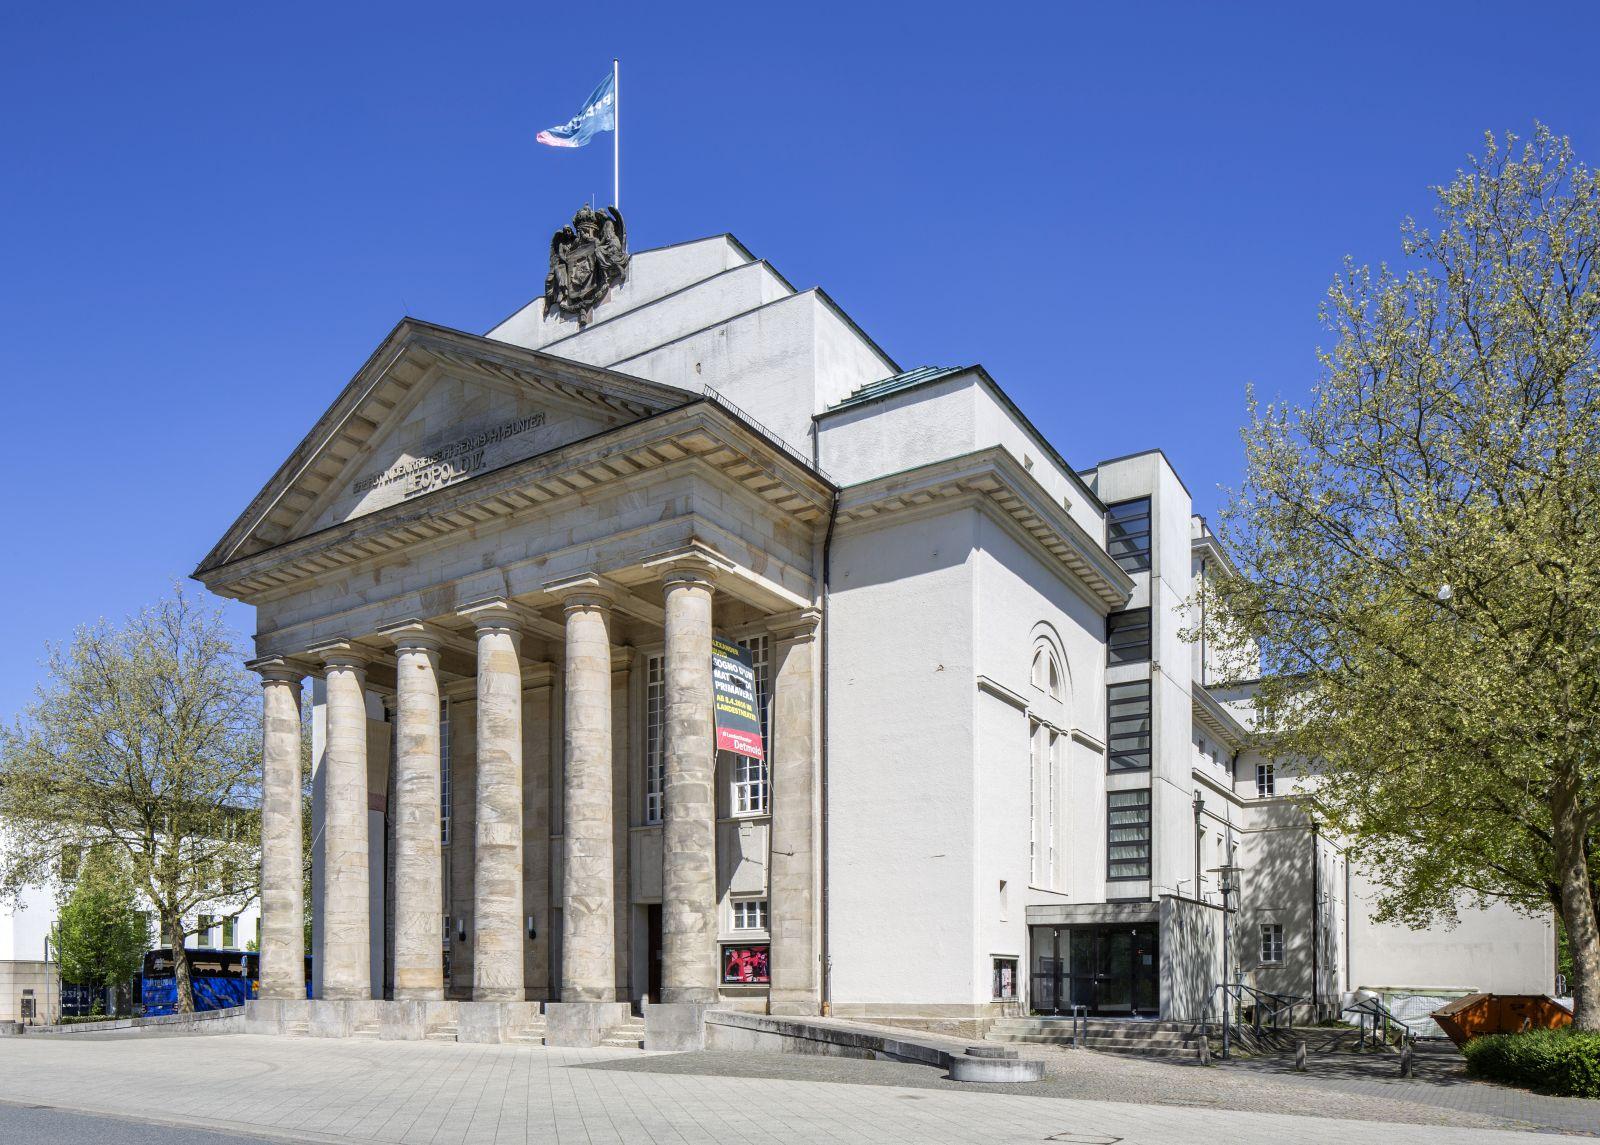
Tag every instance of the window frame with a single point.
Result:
(1272, 941)
(1147, 823)
(996, 993)
(1123, 651)
(1138, 559)
(655, 739)
(1266, 779)
(444, 771)
(1113, 691)
(745, 906)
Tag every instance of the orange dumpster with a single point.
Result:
(1478, 1014)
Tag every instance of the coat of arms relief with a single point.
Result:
(586, 260)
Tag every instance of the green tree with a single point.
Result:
(101, 935)
(146, 741)
(1419, 554)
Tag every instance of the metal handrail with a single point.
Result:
(1373, 1010)
(1271, 1005)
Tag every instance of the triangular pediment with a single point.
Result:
(431, 409)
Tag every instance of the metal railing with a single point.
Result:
(1370, 1012)
(1267, 1010)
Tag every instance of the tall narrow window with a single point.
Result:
(1272, 942)
(749, 776)
(1128, 726)
(230, 932)
(1042, 754)
(1266, 779)
(1128, 636)
(1128, 534)
(655, 714)
(1128, 834)
(444, 771)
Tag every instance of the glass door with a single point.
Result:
(1111, 971)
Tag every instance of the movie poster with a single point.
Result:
(733, 695)
(746, 965)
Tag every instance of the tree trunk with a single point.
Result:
(1577, 904)
(180, 967)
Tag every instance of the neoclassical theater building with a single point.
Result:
(995, 778)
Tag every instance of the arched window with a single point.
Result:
(1046, 671)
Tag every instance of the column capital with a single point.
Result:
(495, 614)
(413, 635)
(801, 624)
(279, 669)
(340, 654)
(586, 591)
(621, 658)
(692, 565)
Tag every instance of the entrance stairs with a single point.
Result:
(628, 1035)
(1176, 1040)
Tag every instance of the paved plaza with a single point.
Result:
(350, 1090)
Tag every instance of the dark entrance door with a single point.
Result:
(1110, 970)
(652, 956)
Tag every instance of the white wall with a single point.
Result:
(901, 782)
(1496, 949)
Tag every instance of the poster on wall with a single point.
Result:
(733, 695)
(746, 965)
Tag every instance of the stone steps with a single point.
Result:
(442, 1034)
(366, 1031)
(297, 1030)
(627, 1036)
(1144, 1039)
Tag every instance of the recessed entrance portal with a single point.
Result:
(1109, 970)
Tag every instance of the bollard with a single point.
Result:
(1205, 1046)
(1405, 1058)
(1300, 1056)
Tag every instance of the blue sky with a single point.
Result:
(210, 214)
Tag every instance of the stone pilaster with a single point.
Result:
(283, 947)
(498, 927)
(418, 874)
(791, 767)
(588, 923)
(537, 682)
(346, 973)
(689, 836)
(621, 769)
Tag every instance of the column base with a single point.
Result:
(499, 994)
(589, 994)
(419, 993)
(690, 995)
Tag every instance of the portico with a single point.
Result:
(514, 770)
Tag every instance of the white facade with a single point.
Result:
(987, 732)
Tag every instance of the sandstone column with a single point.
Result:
(283, 946)
(497, 957)
(588, 926)
(791, 762)
(689, 837)
(418, 890)
(346, 973)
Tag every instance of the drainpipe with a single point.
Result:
(1316, 910)
(825, 957)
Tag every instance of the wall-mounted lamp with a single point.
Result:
(461, 930)
(532, 933)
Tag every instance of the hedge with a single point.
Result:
(1564, 1062)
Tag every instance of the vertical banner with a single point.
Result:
(733, 699)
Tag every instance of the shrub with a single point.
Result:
(1564, 1062)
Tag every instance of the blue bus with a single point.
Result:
(221, 978)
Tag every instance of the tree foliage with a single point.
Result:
(145, 740)
(101, 935)
(1419, 554)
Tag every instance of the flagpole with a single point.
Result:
(616, 135)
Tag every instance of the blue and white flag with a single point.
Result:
(599, 114)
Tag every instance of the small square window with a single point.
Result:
(1005, 980)
(1272, 942)
(750, 914)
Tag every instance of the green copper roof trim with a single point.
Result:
(898, 382)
